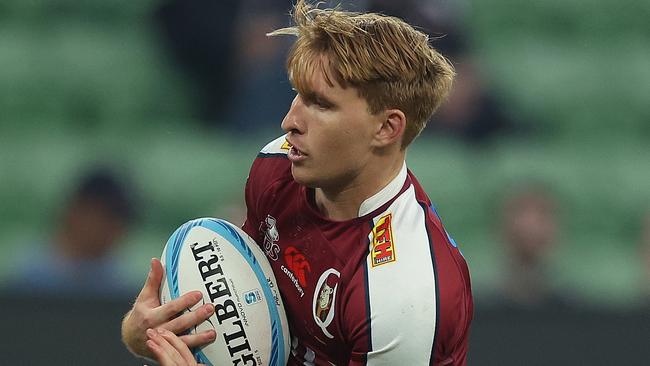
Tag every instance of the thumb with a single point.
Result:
(151, 287)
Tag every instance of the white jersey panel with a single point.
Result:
(401, 288)
(277, 146)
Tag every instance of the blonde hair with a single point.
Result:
(390, 63)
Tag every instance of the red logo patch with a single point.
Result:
(298, 264)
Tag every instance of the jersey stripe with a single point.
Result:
(403, 291)
(435, 275)
(367, 287)
(272, 155)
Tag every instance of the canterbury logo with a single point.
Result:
(383, 246)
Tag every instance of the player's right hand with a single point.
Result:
(147, 312)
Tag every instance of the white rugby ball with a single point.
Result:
(226, 265)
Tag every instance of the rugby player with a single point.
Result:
(368, 274)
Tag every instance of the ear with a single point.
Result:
(391, 129)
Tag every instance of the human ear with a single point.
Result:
(391, 129)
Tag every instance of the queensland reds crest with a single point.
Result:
(271, 236)
(324, 299)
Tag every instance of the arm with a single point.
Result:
(147, 312)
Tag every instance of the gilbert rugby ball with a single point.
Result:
(222, 261)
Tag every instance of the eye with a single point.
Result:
(321, 104)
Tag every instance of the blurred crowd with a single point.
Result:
(235, 66)
(88, 230)
(78, 258)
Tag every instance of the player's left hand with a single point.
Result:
(147, 312)
(168, 349)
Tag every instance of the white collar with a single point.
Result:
(389, 191)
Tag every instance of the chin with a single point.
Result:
(303, 177)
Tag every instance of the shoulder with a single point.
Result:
(276, 148)
(270, 169)
(453, 286)
(271, 162)
(399, 287)
(416, 283)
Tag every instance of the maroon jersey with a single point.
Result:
(386, 288)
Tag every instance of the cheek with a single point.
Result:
(339, 139)
(340, 144)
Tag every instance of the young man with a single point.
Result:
(367, 272)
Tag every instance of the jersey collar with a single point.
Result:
(385, 194)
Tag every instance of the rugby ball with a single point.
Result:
(227, 266)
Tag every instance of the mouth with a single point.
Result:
(296, 155)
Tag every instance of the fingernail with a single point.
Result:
(150, 332)
(160, 331)
(198, 296)
(213, 335)
(209, 309)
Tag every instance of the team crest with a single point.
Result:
(324, 302)
(325, 299)
(271, 237)
(383, 246)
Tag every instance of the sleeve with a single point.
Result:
(415, 310)
(456, 303)
(252, 219)
(266, 169)
(390, 313)
(388, 339)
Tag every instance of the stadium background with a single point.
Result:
(91, 82)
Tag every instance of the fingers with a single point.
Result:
(199, 339)
(176, 342)
(151, 286)
(173, 308)
(168, 349)
(190, 319)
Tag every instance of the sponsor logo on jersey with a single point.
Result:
(325, 299)
(297, 269)
(271, 237)
(383, 246)
(298, 264)
(286, 145)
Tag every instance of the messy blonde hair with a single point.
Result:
(390, 63)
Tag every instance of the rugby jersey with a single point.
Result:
(389, 287)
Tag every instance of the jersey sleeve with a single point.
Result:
(269, 166)
(418, 307)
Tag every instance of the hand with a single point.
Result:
(148, 313)
(168, 349)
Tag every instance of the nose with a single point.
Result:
(293, 121)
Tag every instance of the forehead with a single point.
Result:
(313, 73)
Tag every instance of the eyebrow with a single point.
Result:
(316, 97)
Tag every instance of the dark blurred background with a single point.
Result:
(120, 120)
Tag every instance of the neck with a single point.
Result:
(343, 203)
